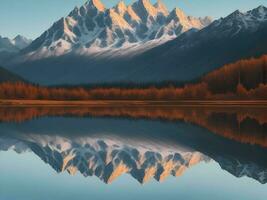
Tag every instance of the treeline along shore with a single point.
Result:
(243, 80)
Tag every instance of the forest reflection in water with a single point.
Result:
(242, 124)
(143, 141)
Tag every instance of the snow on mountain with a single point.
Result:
(195, 53)
(108, 147)
(7, 45)
(13, 45)
(107, 158)
(93, 28)
(110, 158)
(239, 22)
(123, 45)
(13, 144)
(21, 42)
(161, 8)
(239, 168)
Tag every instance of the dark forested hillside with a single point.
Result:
(190, 56)
(249, 73)
(195, 54)
(5, 76)
(245, 79)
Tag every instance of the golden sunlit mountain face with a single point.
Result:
(107, 158)
(133, 99)
(240, 123)
(146, 142)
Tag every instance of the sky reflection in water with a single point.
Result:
(126, 151)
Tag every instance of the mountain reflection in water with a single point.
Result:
(145, 142)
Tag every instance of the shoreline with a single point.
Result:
(260, 103)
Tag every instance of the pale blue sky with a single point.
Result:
(31, 17)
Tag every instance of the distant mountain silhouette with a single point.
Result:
(13, 45)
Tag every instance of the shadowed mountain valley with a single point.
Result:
(140, 43)
(242, 80)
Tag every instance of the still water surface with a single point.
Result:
(133, 153)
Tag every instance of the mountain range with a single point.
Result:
(11, 47)
(138, 43)
(93, 28)
(107, 147)
(106, 159)
(14, 45)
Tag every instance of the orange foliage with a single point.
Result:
(250, 73)
(243, 124)
(30, 92)
(245, 79)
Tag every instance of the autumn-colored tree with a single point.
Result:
(241, 91)
(245, 79)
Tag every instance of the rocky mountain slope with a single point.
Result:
(13, 45)
(148, 59)
(239, 35)
(9, 48)
(108, 159)
(93, 28)
(107, 147)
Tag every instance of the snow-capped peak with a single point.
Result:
(256, 15)
(7, 45)
(239, 21)
(92, 27)
(21, 42)
(121, 8)
(95, 4)
(187, 22)
(14, 45)
(259, 13)
(236, 14)
(178, 14)
(161, 8)
(144, 9)
(142, 160)
(117, 20)
(206, 20)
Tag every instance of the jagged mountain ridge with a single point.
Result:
(7, 45)
(192, 54)
(21, 42)
(7, 144)
(13, 45)
(99, 143)
(108, 159)
(92, 28)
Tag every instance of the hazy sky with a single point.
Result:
(31, 17)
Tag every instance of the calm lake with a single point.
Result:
(135, 152)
